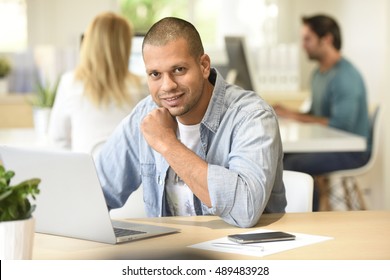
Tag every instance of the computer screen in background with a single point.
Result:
(136, 63)
(240, 72)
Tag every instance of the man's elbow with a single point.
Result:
(244, 220)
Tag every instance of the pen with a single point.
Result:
(238, 246)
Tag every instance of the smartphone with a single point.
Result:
(261, 237)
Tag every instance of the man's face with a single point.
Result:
(177, 80)
(311, 43)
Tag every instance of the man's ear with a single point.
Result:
(328, 38)
(205, 65)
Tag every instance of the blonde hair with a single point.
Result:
(104, 59)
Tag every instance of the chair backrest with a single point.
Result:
(375, 125)
(133, 208)
(95, 150)
(299, 191)
(375, 122)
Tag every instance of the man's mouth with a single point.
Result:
(172, 98)
(172, 101)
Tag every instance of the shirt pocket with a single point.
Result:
(148, 170)
(151, 187)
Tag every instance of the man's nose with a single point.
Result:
(168, 83)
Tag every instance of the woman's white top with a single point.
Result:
(78, 124)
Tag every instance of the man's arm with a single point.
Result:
(118, 163)
(159, 129)
(238, 185)
(308, 118)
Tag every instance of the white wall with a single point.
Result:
(61, 22)
(386, 101)
(54, 32)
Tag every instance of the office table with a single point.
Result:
(296, 137)
(24, 137)
(356, 235)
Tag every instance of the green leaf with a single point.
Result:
(45, 94)
(5, 194)
(15, 200)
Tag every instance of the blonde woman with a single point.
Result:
(92, 100)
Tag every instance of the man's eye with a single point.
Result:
(179, 70)
(154, 74)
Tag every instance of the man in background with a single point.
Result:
(338, 99)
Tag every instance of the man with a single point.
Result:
(198, 145)
(338, 98)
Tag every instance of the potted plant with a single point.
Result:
(5, 69)
(16, 220)
(42, 102)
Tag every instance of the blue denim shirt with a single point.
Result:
(240, 141)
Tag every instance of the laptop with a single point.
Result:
(71, 201)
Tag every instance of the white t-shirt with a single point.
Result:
(79, 125)
(179, 195)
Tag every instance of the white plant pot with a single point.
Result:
(41, 118)
(3, 86)
(16, 239)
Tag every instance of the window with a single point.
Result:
(143, 13)
(255, 19)
(203, 14)
(13, 25)
(276, 65)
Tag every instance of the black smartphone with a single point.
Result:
(261, 237)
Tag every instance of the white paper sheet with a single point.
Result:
(260, 249)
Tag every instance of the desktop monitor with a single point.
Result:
(136, 63)
(239, 67)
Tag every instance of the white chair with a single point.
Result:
(347, 177)
(133, 208)
(95, 150)
(299, 191)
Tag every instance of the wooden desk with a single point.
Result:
(357, 235)
(298, 137)
(15, 111)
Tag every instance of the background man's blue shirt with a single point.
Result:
(340, 95)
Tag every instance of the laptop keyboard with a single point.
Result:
(126, 232)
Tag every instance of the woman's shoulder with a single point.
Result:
(68, 76)
(69, 83)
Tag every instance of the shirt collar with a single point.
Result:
(215, 110)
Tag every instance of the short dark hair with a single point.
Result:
(322, 25)
(170, 29)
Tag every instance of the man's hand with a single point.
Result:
(283, 112)
(159, 129)
(307, 118)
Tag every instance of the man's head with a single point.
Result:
(319, 34)
(177, 69)
(170, 29)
